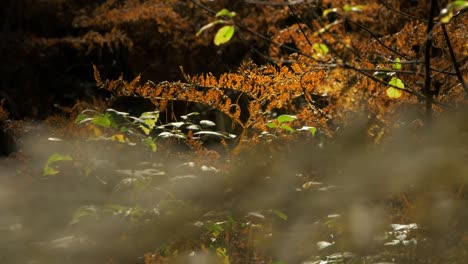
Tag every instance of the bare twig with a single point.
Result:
(427, 62)
(454, 60)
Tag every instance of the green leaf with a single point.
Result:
(81, 118)
(280, 214)
(287, 128)
(271, 125)
(84, 211)
(397, 64)
(328, 11)
(49, 169)
(149, 141)
(396, 82)
(312, 130)
(320, 48)
(393, 93)
(104, 120)
(286, 118)
(149, 121)
(213, 227)
(113, 111)
(460, 4)
(356, 8)
(214, 133)
(223, 35)
(226, 12)
(447, 13)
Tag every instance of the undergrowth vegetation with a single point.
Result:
(345, 143)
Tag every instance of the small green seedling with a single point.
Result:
(225, 33)
(282, 122)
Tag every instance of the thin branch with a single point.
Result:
(418, 95)
(401, 13)
(427, 62)
(325, 28)
(454, 60)
(341, 64)
(377, 38)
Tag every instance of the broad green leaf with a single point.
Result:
(81, 118)
(167, 134)
(460, 4)
(49, 169)
(287, 128)
(393, 93)
(286, 118)
(280, 214)
(149, 121)
(397, 83)
(175, 124)
(207, 123)
(102, 120)
(219, 134)
(271, 125)
(397, 64)
(320, 48)
(110, 110)
(149, 141)
(223, 35)
(226, 12)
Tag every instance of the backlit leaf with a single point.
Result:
(328, 11)
(287, 128)
(49, 168)
(286, 118)
(223, 35)
(280, 214)
(320, 48)
(149, 141)
(102, 120)
(397, 64)
(149, 121)
(119, 138)
(394, 93)
(397, 83)
(356, 8)
(226, 12)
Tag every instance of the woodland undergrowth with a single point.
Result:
(348, 146)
